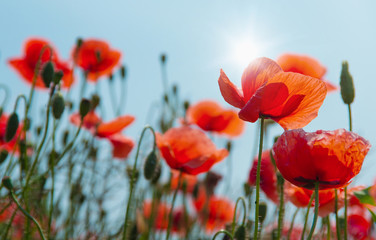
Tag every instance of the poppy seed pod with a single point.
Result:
(12, 126)
(84, 107)
(48, 74)
(58, 105)
(7, 182)
(347, 84)
(240, 233)
(150, 165)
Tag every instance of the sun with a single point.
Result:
(244, 49)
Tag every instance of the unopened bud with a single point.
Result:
(186, 105)
(110, 77)
(150, 165)
(1, 111)
(163, 58)
(84, 107)
(95, 100)
(79, 42)
(65, 137)
(58, 76)
(263, 208)
(12, 126)
(347, 84)
(165, 98)
(7, 182)
(240, 233)
(174, 89)
(157, 173)
(58, 105)
(27, 124)
(123, 72)
(3, 155)
(229, 146)
(48, 73)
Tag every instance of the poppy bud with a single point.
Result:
(48, 73)
(123, 72)
(57, 105)
(95, 100)
(211, 181)
(65, 137)
(110, 77)
(27, 124)
(84, 107)
(79, 42)
(12, 126)
(174, 89)
(163, 58)
(150, 165)
(247, 189)
(58, 76)
(262, 211)
(347, 84)
(186, 105)
(3, 155)
(165, 98)
(240, 233)
(157, 173)
(7, 182)
(229, 146)
(1, 111)
(52, 159)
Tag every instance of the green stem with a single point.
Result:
(172, 206)
(224, 232)
(132, 180)
(350, 118)
(281, 206)
(316, 211)
(292, 223)
(244, 216)
(327, 228)
(306, 216)
(345, 223)
(5, 236)
(336, 213)
(52, 168)
(28, 215)
(258, 180)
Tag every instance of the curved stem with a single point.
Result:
(172, 206)
(292, 223)
(257, 201)
(132, 180)
(244, 216)
(17, 100)
(28, 215)
(306, 216)
(316, 211)
(224, 232)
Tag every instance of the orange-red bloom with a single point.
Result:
(210, 116)
(358, 226)
(26, 65)
(215, 213)
(290, 99)
(122, 145)
(189, 150)
(268, 178)
(96, 58)
(305, 65)
(331, 158)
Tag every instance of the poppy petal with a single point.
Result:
(114, 126)
(230, 92)
(122, 145)
(257, 74)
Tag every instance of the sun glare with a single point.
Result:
(243, 50)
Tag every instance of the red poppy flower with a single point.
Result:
(290, 99)
(305, 65)
(358, 226)
(11, 145)
(215, 213)
(122, 145)
(210, 116)
(268, 178)
(332, 158)
(189, 150)
(189, 180)
(96, 58)
(26, 65)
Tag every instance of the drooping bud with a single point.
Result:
(157, 173)
(347, 84)
(48, 73)
(84, 107)
(123, 72)
(150, 165)
(95, 100)
(3, 155)
(12, 126)
(58, 105)
(58, 76)
(7, 182)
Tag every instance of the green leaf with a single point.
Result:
(373, 215)
(364, 197)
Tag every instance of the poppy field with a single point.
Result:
(275, 148)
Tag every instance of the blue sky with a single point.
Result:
(200, 38)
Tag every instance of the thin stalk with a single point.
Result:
(258, 180)
(172, 206)
(52, 166)
(327, 228)
(306, 217)
(244, 216)
(345, 225)
(28, 215)
(224, 232)
(292, 223)
(5, 236)
(316, 211)
(132, 180)
(281, 211)
(336, 213)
